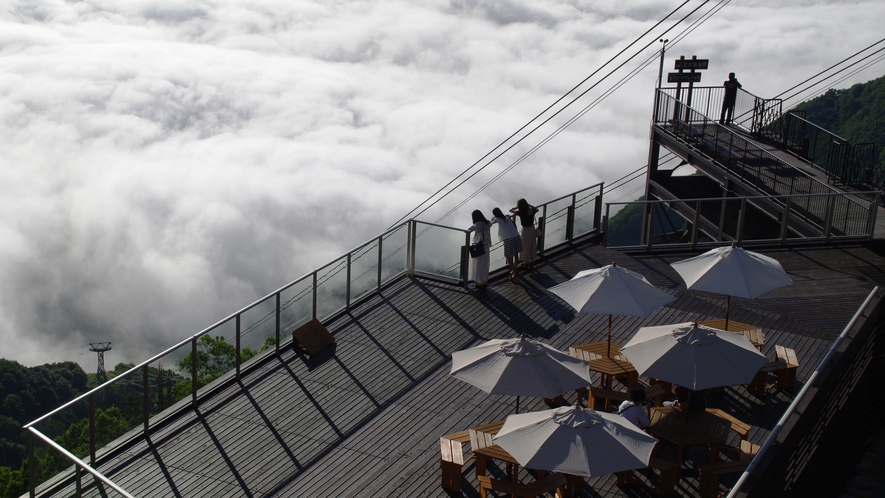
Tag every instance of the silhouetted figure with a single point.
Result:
(731, 92)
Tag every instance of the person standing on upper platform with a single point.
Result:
(731, 92)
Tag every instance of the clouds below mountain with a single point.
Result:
(165, 164)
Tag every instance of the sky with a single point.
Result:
(166, 163)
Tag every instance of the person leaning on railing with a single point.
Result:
(526, 213)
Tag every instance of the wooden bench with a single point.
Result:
(552, 482)
(784, 367)
(451, 449)
(786, 378)
(711, 472)
(738, 426)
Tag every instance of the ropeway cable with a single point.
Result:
(533, 120)
(581, 113)
(829, 68)
(840, 80)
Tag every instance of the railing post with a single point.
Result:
(239, 356)
(694, 227)
(313, 313)
(380, 261)
(650, 228)
(785, 224)
(542, 229)
(465, 260)
(831, 206)
(597, 210)
(605, 226)
(78, 474)
(92, 430)
(414, 245)
(741, 217)
(569, 223)
(347, 286)
(278, 312)
(146, 406)
(32, 465)
(194, 372)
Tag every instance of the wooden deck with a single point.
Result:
(367, 420)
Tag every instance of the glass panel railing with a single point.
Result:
(393, 253)
(762, 223)
(332, 288)
(585, 211)
(438, 250)
(169, 382)
(364, 271)
(556, 222)
(216, 353)
(624, 226)
(296, 306)
(258, 328)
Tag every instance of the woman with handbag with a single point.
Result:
(479, 249)
(509, 235)
(526, 213)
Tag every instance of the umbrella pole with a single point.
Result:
(727, 308)
(517, 404)
(609, 349)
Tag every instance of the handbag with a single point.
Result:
(478, 249)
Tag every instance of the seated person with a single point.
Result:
(686, 398)
(633, 411)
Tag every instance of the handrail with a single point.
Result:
(772, 437)
(594, 190)
(80, 463)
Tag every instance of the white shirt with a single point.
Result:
(635, 414)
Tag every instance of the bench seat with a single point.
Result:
(552, 482)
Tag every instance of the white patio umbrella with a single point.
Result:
(575, 440)
(612, 290)
(693, 356)
(732, 271)
(520, 367)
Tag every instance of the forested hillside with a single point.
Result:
(856, 114)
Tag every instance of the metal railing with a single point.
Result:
(844, 163)
(711, 221)
(413, 248)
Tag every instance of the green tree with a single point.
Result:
(215, 357)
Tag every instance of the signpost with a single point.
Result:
(691, 77)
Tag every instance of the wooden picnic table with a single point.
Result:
(751, 332)
(608, 367)
(688, 428)
(485, 449)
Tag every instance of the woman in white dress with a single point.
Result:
(526, 213)
(509, 235)
(479, 266)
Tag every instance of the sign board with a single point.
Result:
(692, 63)
(684, 77)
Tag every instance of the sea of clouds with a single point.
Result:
(164, 163)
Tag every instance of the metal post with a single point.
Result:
(785, 224)
(238, 358)
(380, 260)
(78, 474)
(146, 401)
(414, 243)
(542, 229)
(194, 371)
(661, 68)
(278, 323)
(569, 223)
(465, 260)
(605, 226)
(92, 430)
(347, 286)
(650, 228)
(694, 227)
(741, 217)
(597, 212)
(831, 206)
(314, 297)
(32, 465)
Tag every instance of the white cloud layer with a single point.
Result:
(165, 164)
